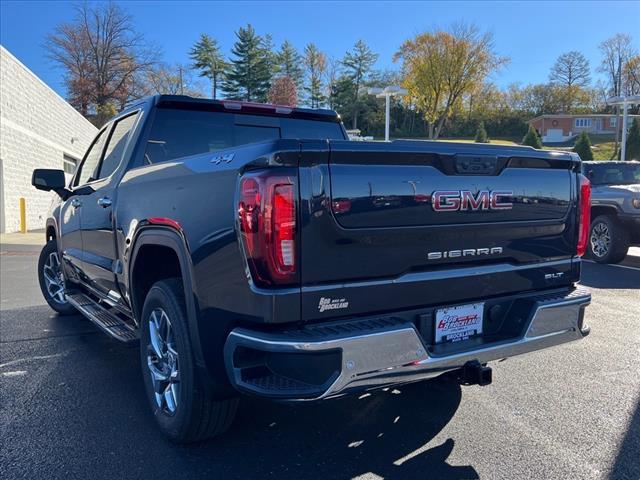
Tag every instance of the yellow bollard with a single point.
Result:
(23, 215)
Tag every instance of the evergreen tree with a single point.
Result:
(289, 63)
(633, 141)
(270, 54)
(342, 92)
(316, 63)
(357, 64)
(481, 134)
(532, 139)
(249, 76)
(583, 147)
(207, 58)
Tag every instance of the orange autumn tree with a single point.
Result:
(440, 67)
(283, 91)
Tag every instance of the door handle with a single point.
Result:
(104, 202)
(76, 203)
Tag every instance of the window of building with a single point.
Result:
(69, 163)
(583, 122)
(613, 121)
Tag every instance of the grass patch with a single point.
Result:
(494, 141)
(603, 151)
(602, 146)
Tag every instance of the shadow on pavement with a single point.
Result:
(626, 464)
(93, 421)
(607, 276)
(344, 438)
(13, 326)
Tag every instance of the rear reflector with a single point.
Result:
(167, 222)
(267, 223)
(584, 215)
(342, 205)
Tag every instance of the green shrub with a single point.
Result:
(481, 134)
(583, 147)
(633, 141)
(532, 139)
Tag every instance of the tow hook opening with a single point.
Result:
(474, 373)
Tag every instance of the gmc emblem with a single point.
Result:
(459, 200)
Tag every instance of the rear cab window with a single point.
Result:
(177, 133)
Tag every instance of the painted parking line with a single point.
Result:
(614, 265)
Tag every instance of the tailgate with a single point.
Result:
(410, 224)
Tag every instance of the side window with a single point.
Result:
(87, 170)
(115, 147)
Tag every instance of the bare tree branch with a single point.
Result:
(103, 56)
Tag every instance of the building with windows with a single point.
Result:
(561, 128)
(38, 129)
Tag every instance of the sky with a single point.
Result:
(532, 34)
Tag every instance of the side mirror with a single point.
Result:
(47, 179)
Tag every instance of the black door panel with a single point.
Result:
(98, 241)
(70, 237)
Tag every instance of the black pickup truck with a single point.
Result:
(253, 249)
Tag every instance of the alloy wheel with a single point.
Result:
(600, 239)
(53, 278)
(163, 363)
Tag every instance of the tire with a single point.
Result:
(184, 413)
(608, 240)
(51, 279)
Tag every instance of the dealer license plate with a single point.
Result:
(454, 324)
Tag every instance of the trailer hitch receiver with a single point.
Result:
(474, 373)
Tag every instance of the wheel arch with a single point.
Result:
(597, 210)
(152, 239)
(51, 229)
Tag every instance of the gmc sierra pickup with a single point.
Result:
(253, 249)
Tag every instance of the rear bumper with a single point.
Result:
(372, 353)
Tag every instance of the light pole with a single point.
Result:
(625, 102)
(387, 93)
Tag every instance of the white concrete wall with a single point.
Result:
(37, 127)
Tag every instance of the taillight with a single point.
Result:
(267, 222)
(585, 215)
(284, 228)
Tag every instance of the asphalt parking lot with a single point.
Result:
(73, 407)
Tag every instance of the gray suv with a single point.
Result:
(615, 209)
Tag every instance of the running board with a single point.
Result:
(105, 320)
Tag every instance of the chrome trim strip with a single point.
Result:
(444, 274)
(397, 355)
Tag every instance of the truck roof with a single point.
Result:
(610, 162)
(185, 101)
